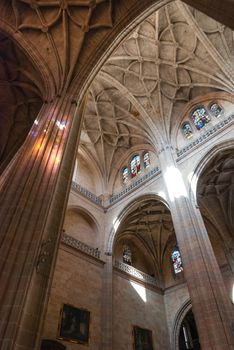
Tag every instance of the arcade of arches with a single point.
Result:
(117, 175)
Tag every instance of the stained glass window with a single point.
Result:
(127, 255)
(125, 174)
(146, 158)
(216, 109)
(176, 260)
(200, 117)
(187, 130)
(135, 165)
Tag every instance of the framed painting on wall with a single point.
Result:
(74, 324)
(142, 338)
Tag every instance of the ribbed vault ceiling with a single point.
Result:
(111, 126)
(216, 193)
(21, 98)
(151, 223)
(138, 97)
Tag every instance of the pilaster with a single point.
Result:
(107, 305)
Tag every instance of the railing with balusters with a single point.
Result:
(135, 272)
(135, 184)
(75, 243)
(117, 196)
(86, 193)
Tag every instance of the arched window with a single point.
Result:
(125, 174)
(216, 110)
(135, 165)
(187, 130)
(200, 117)
(176, 260)
(146, 159)
(127, 255)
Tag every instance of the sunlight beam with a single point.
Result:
(175, 184)
(116, 223)
(140, 290)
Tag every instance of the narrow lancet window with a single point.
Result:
(125, 175)
(135, 165)
(176, 260)
(216, 110)
(187, 130)
(146, 159)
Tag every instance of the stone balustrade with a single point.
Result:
(206, 135)
(116, 197)
(75, 243)
(86, 193)
(134, 184)
(135, 273)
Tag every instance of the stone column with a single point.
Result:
(34, 193)
(212, 308)
(107, 305)
(214, 209)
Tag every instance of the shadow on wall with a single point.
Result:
(49, 344)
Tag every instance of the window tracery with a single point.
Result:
(137, 164)
(176, 260)
(200, 117)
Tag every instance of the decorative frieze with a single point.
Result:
(134, 185)
(207, 135)
(86, 193)
(75, 243)
(135, 273)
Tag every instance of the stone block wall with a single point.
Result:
(136, 304)
(77, 281)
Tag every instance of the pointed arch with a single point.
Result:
(33, 56)
(124, 213)
(181, 313)
(202, 164)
